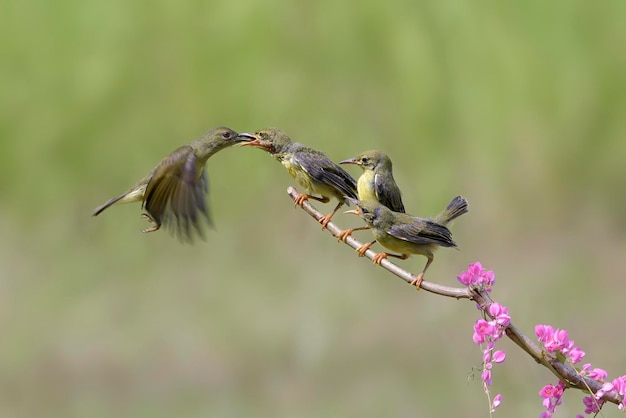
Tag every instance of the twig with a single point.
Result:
(561, 370)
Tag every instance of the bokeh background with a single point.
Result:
(519, 106)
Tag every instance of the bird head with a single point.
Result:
(369, 210)
(215, 140)
(272, 140)
(369, 160)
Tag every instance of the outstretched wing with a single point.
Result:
(175, 195)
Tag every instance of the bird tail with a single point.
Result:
(133, 195)
(108, 203)
(457, 207)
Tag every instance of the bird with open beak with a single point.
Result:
(173, 192)
(407, 234)
(312, 169)
(376, 183)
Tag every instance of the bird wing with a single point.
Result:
(175, 195)
(422, 231)
(388, 193)
(323, 170)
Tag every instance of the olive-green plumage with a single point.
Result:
(312, 169)
(173, 192)
(377, 182)
(407, 234)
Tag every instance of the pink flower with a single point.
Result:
(476, 275)
(543, 332)
(482, 329)
(575, 355)
(499, 356)
(497, 400)
(486, 375)
(500, 314)
(598, 374)
(552, 397)
(591, 405)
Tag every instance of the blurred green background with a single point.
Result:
(518, 106)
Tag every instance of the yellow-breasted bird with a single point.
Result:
(173, 192)
(376, 183)
(312, 169)
(407, 234)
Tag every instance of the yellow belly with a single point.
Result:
(402, 246)
(365, 186)
(305, 180)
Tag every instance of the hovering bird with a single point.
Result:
(312, 169)
(407, 234)
(376, 183)
(173, 192)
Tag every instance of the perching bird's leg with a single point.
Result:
(343, 235)
(378, 258)
(155, 224)
(417, 282)
(301, 198)
(325, 219)
(363, 248)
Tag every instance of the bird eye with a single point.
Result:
(263, 135)
(226, 135)
(365, 160)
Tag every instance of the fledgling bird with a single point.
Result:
(407, 234)
(173, 192)
(376, 183)
(312, 169)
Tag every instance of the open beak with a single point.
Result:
(349, 161)
(252, 140)
(247, 139)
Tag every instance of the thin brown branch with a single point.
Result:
(454, 292)
(561, 370)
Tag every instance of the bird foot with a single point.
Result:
(417, 281)
(300, 199)
(343, 235)
(155, 225)
(379, 257)
(324, 220)
(363, 249)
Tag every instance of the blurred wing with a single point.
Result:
(422, 231)
(388, 193)
(324, 171)
(175, 195)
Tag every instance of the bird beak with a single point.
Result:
(356, 211)
(252, 140)
(245, 138)
(349, 161)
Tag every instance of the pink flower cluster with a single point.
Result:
(556, 340)
(552, 397)
(489, 332)
(593, 405)
(477, 275)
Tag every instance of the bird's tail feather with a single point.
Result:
(108, 203)
(457, 207)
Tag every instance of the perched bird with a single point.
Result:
(376, 183)
(407, 234)
(312, 169)
(173, 192)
